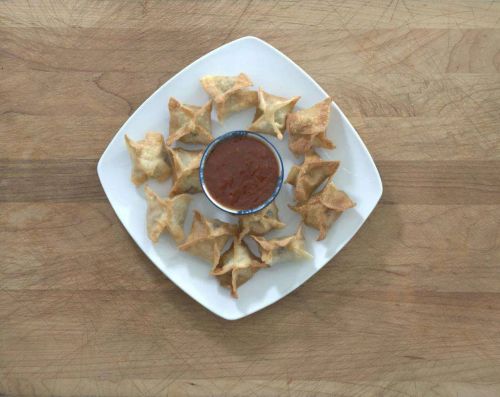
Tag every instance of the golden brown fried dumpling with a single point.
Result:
(228, 93)
(323, 208)
(149, 158)
(310, 174)
(237, 265)
(220, 87)
(271, 114)
(283, 249)
(207, 238)
(166, 214)
(189, 123)
(307, 128)
(237, 102)
(186, 166)
(261, 222)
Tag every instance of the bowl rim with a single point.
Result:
(232, 134)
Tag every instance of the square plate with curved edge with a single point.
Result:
(277, 74)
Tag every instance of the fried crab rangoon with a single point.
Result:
(282, 249)
(310, 175)
(186, 166)
(229, 94)
(166, 214)
(237, 265)
(208, 238)
(271, 114)
(189, 123)
(307, 128)
(323, 208)
(149, 158)
(261, 222)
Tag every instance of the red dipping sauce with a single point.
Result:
(241, 172)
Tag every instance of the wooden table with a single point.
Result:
(410, 307)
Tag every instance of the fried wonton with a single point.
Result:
(228, 93)
(166, 214)
(207, 238)
(189, 123)
(149, 158)
(186, 166)
(261, 222)
(237, 102)
(236, 266)
(310, 174)
(220, 87)
(323, 208)
(283, 249)
(271, 114)
(307, 128)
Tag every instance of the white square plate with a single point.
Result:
(277, 74)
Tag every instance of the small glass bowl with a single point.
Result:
(233, 134)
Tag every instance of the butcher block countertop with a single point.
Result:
(410, 307)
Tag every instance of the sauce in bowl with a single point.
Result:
(241, 172)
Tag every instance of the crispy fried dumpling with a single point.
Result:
(307, 128)
(236, 266)
(149, 158)
(261, 222)
(310, 174)
(189, 123)
(228, 93)
(186, 166)
(220, 87)
(207, 238)
(271, 114)
(166, 214)
(323, 208)
(283, 249)
(237, 102)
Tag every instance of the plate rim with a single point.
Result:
(379, 184)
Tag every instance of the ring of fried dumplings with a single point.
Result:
(153, 158)
(149, 158)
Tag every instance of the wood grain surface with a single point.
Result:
(411, 307)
